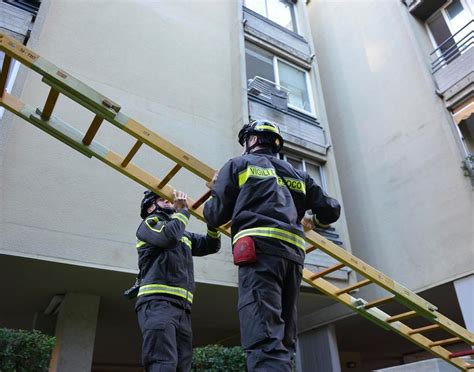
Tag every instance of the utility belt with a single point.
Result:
(244, 252)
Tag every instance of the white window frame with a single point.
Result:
(445, 15)
(295, 13)
(309, 87)
(284, 155)
(12, 74)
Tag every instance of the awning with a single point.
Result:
(463, 112)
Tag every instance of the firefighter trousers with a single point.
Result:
(268, 293)
(167, 336)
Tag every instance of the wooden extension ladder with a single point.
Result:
(106, 110)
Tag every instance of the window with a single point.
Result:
(296, 80)
(449, 28)
(314, 169)
(14, 67)
(281, 12)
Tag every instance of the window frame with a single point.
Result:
(276, 61)
(295, 156)
(11, 77)
(296, 26)
(446, 18)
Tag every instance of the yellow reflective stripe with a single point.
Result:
(267, 127)
(273, 232)
(156, 220)
(186, 241)
(166, 289)
(295, 184)
(253, 171)
(181, 217)
(140, 244)
(214, 234)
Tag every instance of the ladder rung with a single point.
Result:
(50, 103)
(5, 70)
(461, 354)
(92, 131)
(447, 341)
(327, 271)
(424, 329)
(310, 249)
(201, 200)
(352, 287)
(169, 176)
(379, 302)
(131, 154)
(407, 315)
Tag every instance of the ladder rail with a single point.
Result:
(380, 317)
(107, 110)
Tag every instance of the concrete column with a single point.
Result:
(317, 351)
(75, 333)
(465, 292)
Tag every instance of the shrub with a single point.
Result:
(24, 351)
(216, 358)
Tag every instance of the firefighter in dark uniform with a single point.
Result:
(166, 281)
(266, 198)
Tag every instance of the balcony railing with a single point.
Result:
(269, 91)
(453, 47)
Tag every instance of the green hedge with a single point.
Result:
(24, 351)
(216, 358)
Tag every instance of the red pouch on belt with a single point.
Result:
(244, 251)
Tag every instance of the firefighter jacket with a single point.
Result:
(165, 260)
(266, 198)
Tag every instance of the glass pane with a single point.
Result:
(294, 80)
(314, 171)
(297, 163)
(454, 9)
(281, 12)
(458, 18)
(258, 63)
(439, 29)
(258, 6)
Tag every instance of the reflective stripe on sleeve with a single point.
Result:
(186, 241)
(181, 217)
(214, 234)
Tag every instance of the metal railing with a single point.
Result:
(269, 91)
(446, 52)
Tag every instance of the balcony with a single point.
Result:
(270, 101)
(423, 9)
(452, 66)
(268, 32)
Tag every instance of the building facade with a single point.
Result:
(397, 79)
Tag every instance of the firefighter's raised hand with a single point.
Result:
(307, 222)
(210, 184)
(180, 200)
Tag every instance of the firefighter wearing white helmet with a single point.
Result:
(266, 198)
